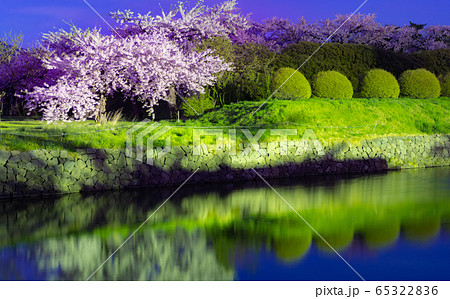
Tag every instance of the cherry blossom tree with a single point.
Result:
(143, 67)
(21, 69)
(276, 33)
(187, 27)
(150, 58)
(436, 37)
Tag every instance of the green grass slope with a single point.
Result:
(329, 119)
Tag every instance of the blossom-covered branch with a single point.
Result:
(143, 67)
(277, 33)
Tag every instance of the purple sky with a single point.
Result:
(34, 17)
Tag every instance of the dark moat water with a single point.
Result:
(392, 226)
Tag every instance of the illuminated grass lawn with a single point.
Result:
(329, 119)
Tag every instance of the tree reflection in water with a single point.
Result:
(201, 232)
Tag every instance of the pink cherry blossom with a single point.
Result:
(143, 67)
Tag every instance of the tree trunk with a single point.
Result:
(100, 117)
(172, 99)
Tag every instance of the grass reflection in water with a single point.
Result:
(202, 232)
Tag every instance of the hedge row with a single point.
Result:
(289, 83)
(354, 61)
(255, 65)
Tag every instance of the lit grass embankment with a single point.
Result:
(329, 119)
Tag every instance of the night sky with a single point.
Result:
(34, 17)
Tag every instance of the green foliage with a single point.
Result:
(221, 46)
(419, 84)
(340, 119)
(253, 72)
(250, 79)
(445, 85)
(255, 64)
(199, 103)
(392, 116)
(354, 61)
(333, 85)
(8, 46)
(379, 83)
(436, 61)
(289, 84)
(236, 113)
(244, 211)
(351, 60)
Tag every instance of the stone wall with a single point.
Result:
(42, 172)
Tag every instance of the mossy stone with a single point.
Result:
(3, 174)
(4, 156)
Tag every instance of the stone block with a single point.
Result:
(52, 162)
(69, 166)
(3, 174)
(55, 153)
(30, 166)
(4, 156)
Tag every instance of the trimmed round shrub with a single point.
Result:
(419, 84)
(379, 83)
(445, 85)
(296, 87)
(332, 85)
(355, 60)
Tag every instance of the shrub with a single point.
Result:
(250, 79)
(445, 85)
(436, 61)
(419, 84)
(199, 103)
(351, 60)
(332, 85)
(379, 83)
(296, 86)
(354, 61)
(253, 74)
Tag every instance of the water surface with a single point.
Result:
(390, 226)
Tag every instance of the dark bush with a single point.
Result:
(253, 71)
(379, 83)
(419, 84)
(251, 77)
(255, 65)
(445, 85)
(436, 61)
(289, 84)
(354, 61)
(396, 62)
(332, 85)
(351, 60)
